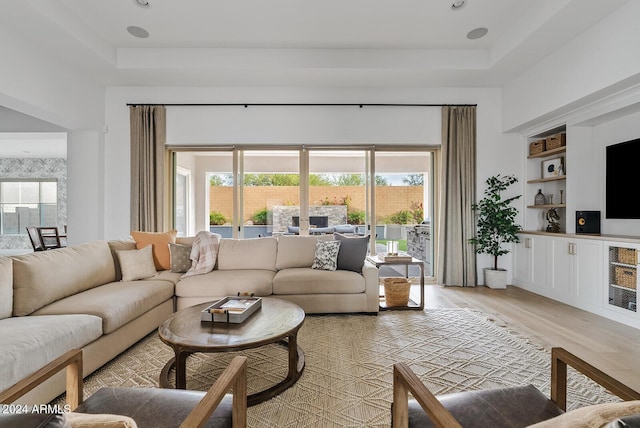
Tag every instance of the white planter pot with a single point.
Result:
(495, 278)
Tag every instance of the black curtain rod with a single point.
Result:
(305, 104)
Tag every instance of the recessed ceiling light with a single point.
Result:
(477, 33)
(456, 5)
(139, 32)
(142, 3)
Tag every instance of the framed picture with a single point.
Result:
(552, 168)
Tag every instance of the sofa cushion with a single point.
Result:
(115, 303)
(313, 281)
(254, 253)
(221, 283)
(6, 287)
(166, 275)
(345, 228)
(136, 264)
(326, 257)
(297, 251)
(160, 244)
(353, 251)
(29, 343)
(46, 276)
(180, 257)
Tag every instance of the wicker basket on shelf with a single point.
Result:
(537, 147)
(396, 291)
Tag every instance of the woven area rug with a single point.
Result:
(347, 381)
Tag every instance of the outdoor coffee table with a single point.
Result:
(274, 322)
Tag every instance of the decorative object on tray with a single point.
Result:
(554, 221)
(398, 257)
(396, 291)
(392, 248)
(540, 198)
(552, 168)
(231, 309)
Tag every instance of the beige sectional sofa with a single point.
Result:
(70, 298)
(281, 267)
(57, 300)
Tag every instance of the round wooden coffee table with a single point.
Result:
(274, 322)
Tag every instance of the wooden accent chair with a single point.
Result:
(502, 407)
(34, 237)
(148, 407)
(49, 237)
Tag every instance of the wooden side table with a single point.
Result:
(378, 261)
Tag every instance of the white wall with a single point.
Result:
(603, 60)
(265, 125)
(497, 151)
(34, 83)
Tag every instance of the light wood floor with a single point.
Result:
(612, 347)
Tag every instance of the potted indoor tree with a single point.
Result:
(495, 226)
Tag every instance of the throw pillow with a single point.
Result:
(353, 251)
(160, 243)
(180, 257)
(86, 420)
(597, 415)
(326, 257)
(137, 264)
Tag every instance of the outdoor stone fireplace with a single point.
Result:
(283, 215)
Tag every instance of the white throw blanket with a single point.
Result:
(204, 253)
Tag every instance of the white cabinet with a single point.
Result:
(563, 268)
(531, 264)
(576, 271)
(596, 273)
(587, 287)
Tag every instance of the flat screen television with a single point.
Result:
(622, 165)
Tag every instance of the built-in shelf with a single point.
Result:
(548, 153)
(548, 206)
(544, 180)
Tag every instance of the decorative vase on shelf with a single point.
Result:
(540, 198)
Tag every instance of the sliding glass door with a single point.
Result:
(385, 193)
(270, 191)
(403, 202)
(338, 192)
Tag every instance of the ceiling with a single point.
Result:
(33, 145)
(338, 43)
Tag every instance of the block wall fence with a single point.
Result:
(389, 199)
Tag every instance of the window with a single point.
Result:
(27, 203)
